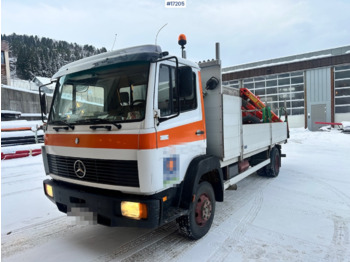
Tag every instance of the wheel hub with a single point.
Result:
(203, 210)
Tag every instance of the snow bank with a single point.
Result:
(13, 149)
(346, 126)
(20, 134)
(10, 112)
(20, 123)
(325, 128)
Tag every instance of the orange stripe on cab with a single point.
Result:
(176, 135)
(116, 141)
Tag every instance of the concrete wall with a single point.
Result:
(24, 101)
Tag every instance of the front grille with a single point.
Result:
(110, 172)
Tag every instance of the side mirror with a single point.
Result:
(185, 81)
(43, 100)
(43, 103)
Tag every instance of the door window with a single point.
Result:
(167, 93)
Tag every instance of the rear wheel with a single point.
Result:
(272, 169)
(198, 222)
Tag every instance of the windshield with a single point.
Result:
(112, 93)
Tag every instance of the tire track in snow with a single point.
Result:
(25, 180)
(166, 241)
(170, 246)
(249, 191)
(239, 231)
(22, 191)
(339, 249)
(28, 237)
(345, 198)
(143, 242)
(20, 175)
(148, 246)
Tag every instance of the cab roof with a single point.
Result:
(136, 53)
(149, 53)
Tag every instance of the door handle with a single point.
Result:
(199, 132)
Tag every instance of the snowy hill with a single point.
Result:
(34, 56)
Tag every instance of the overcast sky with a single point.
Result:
(248, 30)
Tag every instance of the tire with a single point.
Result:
(200, 218)
(272, 169)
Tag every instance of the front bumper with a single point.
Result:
(104, 205)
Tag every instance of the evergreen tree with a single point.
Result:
(34, 56)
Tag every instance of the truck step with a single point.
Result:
(174, 213)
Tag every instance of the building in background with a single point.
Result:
(39, 81)
(315, 86)
(5, 64)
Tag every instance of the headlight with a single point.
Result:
(48, 190)
(134, 210)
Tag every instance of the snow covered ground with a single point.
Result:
(302, 215)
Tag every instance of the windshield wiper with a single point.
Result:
(119, 126)
(61, 122)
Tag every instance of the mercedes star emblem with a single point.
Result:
(79, 168)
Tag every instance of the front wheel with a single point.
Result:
(198, 222)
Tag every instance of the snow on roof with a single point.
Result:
(288, 59)
(127, 54)
(274, 64)
(44, 81)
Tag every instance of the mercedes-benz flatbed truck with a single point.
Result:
(138, 138)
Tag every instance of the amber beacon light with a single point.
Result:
(182, 41)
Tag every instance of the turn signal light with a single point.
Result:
(134, 210)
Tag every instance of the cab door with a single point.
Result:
(180, 125)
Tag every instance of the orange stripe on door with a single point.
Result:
(181, 134)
